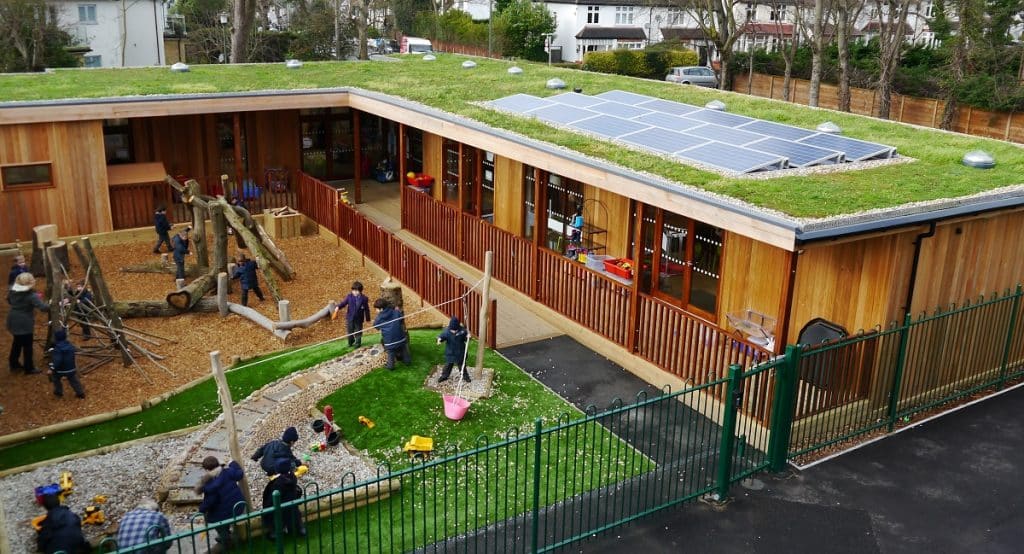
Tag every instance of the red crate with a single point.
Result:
(611, 267)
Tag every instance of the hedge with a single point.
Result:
(638, 63)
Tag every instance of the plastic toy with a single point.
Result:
(93, 516)
(367, 422)
(100, 499)
(301, 470)
(419, 447)
(37, 522)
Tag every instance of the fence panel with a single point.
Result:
(376, 240)
(595, 301)
(133, 205)
(435, 222)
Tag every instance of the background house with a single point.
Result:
(118, 34)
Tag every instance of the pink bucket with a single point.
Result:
(454, 407)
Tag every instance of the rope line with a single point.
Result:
(345, 336)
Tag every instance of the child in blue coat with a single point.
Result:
(62, 365)
(163, 227)
(221, 496)
(358, 312)
(245, 271)
(392, 332)
(454, 338)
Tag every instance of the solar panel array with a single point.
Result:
(729, 142)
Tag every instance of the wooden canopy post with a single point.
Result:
(401, 174)
(485, 305)
(198, 224)
(227, 405)
(357, 144)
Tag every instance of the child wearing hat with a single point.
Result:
(454, 338)
(221, 497)
(358, 312)
(62, 365)
(271, 454)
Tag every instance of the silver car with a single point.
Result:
(693, 75)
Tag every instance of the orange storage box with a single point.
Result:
(612, 266)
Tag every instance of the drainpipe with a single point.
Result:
(913, 267)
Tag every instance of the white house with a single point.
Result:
(118, 33)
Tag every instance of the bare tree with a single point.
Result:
(892, 42)
(717, 20)
(244, 12)
(817, 43)
(23, 23)
(359, 12)
(847, 14)
(787, 38)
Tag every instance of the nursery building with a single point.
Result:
(691, 228)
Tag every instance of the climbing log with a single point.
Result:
(255, 248)
(198, 223)
(42, 234)
(184, 299)
(303, 323)
(101, 294)
(160, 308)
(258, 319)
(220, 238)
(55, 287)
(392, 292)
(274, 254)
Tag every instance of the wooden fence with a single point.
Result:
(465, 49)
(926, 112)
(434, 284)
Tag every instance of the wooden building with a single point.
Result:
(705, 277)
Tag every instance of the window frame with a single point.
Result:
(593, 14)
(28, 185)
(88, 57)
(624, 15)
(87, 8)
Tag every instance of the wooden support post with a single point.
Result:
(401, 175)
(41, 234)
(634, 291)
(485, 306)
(284, 312)
(220, 239)
(231, 271)
(222, 294)
(55, 284)
(357, 145)
(198, 225)
(179, 284)
(226, 404)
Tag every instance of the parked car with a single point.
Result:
(693, 75)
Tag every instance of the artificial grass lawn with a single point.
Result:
(493, 479)
(936, 173)
(190, 407)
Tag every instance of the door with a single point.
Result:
(681, 260)
(327, 144)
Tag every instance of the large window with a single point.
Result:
(92, 60)
(87, 14)
(675, 16)
(468, 179)
(564, 197)
(680, 260)
(593, 14)
(35, 175)
(450, 177)
(413, 150)
(623, 15)
(117, 141)
(328, 150)
(529, 201)
(487, 187)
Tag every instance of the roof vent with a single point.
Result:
(429, 58)
(468, 64)
(515, 70)
(555, 83)
(293, 64)
(179, 67)
(716, 105)
(979, 159)
(829, 128)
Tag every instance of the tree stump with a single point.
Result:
(41, 234)
(392, 292)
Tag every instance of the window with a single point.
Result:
(529, 201)
(413, 150)
(117, 141)
(487, 187)
(751, 12)
(675, 16)
(450, 177)
(93, 61)
(563, 197)
(35, 175)
(681, 260)
(929, 9)
(593, 14)
(631, 44)
(623, 15)
(778, 14)
(87, 14)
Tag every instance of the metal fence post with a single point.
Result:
(535, 524)
(783, 407)
(1009, 337)
(733, 398)
(897, 380)
(278, 523)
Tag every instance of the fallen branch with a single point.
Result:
(304, 323)
(160, 308)
(258, 319)
(162, 268)
(184, 299)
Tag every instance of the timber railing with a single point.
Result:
(434, 284)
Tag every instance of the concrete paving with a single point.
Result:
(950, 485)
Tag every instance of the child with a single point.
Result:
(20, 266)
(163, 226)
(288, 484)
(245, 271)
(61, 531)
(62, 365)
(454, 338)
(392, 332)
(358, 312)
(83, 307)
(271, 454)
(180, 246)
(221, 495)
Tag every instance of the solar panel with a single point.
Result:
(666, 121)
(724, 134)
(779, 130)
(668, 106)
(519, 103)
(623, 97)
(575, 99)
(558, 113)
(721, 118)
(732, 158)
(799, 154)
(662, 140)
(608, 126)
(855, 150)
(619, 110)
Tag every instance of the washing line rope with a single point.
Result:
(345, 336)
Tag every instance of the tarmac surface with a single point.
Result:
(952, 484)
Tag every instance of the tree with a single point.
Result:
(523, 26)
(717, 20)
(405, 13)
(31, 39)
(244, 12)
(788, 42)
(817, 44)
(892, 42)
(314, 27)
(847, 14)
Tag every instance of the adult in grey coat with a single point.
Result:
(21, 321)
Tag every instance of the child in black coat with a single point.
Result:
(163, 227)
(454, 338)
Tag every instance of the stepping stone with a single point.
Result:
(183, 496)
(217, 441)
(308, 379)
(261, 405)
(244, 419)
(283, 392)
(191, 475)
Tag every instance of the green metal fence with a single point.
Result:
(535, 490)
(870, 383)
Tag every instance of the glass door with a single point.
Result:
(314, 148)
(681, 261)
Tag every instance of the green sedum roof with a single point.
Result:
(935, 174)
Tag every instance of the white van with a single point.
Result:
(413, 45)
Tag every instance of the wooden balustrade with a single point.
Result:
(513, 255)
(587, 297)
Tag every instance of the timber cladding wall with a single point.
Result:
(508, 194)
(433, 162)
(755, 276)
(858, 284)
(78, 202)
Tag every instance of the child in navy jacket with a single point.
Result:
(358, 313)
